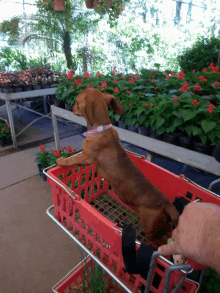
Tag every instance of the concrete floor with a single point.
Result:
(34, 252)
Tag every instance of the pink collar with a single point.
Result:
(99, 129)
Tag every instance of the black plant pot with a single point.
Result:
(68, 107)
(199, 147)
(3, 143)
(154, 134)
(8, 91)
(144, 130)
(1, 90)
(121, 124)
(60, 104)
(113, 122)
(44, 177)
(133, 128)
(46, 86)
(37, 87)
(27, 88)
(9, 141)
(18, 89)
(170, 138)
(185, 141)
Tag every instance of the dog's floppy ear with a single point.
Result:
(86, 109)
(114, 102)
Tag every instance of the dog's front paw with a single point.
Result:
(61, 162)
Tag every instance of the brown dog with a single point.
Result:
(105, 151)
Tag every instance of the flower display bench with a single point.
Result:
(152, 146)
(9, 98)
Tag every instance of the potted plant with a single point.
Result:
(43, 160)
(59, 5)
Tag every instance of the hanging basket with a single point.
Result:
(59, 5)
(96, 3)
(15, 24)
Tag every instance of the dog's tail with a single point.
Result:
(172, 212)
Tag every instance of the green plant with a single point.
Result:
(203, 52)
(114, 12)
(43, 158)
(94, 278)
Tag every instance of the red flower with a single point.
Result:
(206, 99)
(152, 105)
(155, 88)
(197, 87)
(173, 74)
(86, 75)
(98, 85)
(104, 84)
(212, 105)
(216, 84)
(89, 85)
(204, 70)
(130, 105)
(185, 87)
(42, 149)
(4, 128)
(146, 105)
(202, 78)
(122, 76)
(214, 69)
(181, 75)
(115, 80)
(153, 80)
(168, 77)
(116, 90)
(62, 148)
(164, 73)
(114, 70)
(193, 71)
(98, 73)
(210, 110)
(69, 149)
(131, 80)
(79, 80)
(175, 99)
(211, 65)
(128, 92)
(70, 74)
(56, 153)
(195, 102)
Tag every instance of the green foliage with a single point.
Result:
(12, 59)
(203, 52)
(211, 281)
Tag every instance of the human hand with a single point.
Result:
(193, 237)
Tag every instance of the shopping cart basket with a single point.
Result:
(88, 209)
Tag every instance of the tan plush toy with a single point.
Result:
(177, 258)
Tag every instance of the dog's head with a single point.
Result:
(93, 106)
